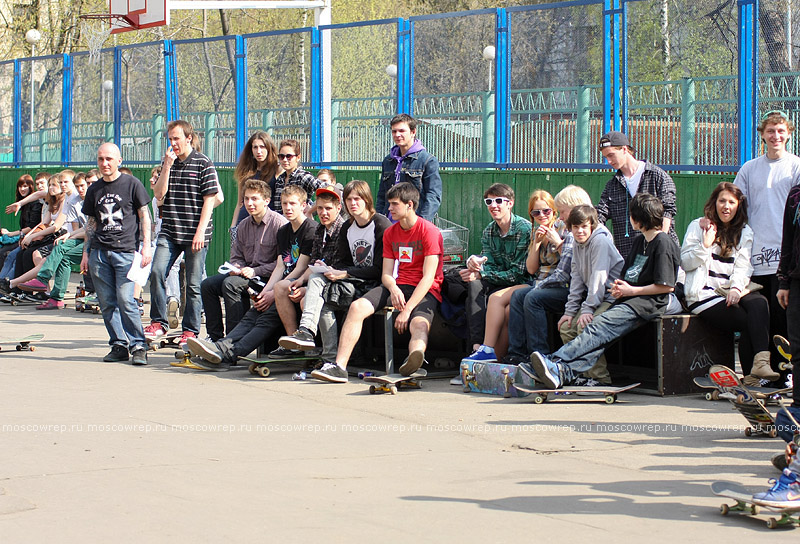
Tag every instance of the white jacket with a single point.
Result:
(695, 259)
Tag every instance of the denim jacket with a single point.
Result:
(422, 170)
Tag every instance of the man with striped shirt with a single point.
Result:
(188, 185)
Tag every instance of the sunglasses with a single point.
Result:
(287, 156)
(537, 213)
(498, 200)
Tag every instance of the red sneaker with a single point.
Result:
(154, 330)
(185, 336)
(51, 304)
(33, 286)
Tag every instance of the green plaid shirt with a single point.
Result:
(505, 264)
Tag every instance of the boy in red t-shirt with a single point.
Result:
(411, 283)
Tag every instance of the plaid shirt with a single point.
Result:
(505, 264)
(326, 249)
(615, 200)
(559, 277)
(299, 177)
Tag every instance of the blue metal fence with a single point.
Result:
(522, 87)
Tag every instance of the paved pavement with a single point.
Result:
(106, 452)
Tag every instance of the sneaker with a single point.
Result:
(203, 349)
(33, 286)
(202, 364)
(330, 372)
(185, 335)
(38, 296)
(51, 304)
(527, 369)
(456, 380)
(727, 395)
(580, 381)
(779, 461)
(5, 298)
(154, 330)
(91, 300)
(484, 354)
(5, 286)
(117, 354)
(139, 357)
(283, 353)
(173, 305)
(412, 363)
(302, 339)
(512, 359)
(784, 493)
(547, 371)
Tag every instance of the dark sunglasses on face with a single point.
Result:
(287, 156)
(537, 213)
(498, 200)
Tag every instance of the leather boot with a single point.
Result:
(761, 367)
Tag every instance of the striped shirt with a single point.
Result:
(299, 177)
(189, 181)
(720, 270)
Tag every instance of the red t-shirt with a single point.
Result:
(410, 247)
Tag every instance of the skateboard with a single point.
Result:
(22, 344)
(493, 378)
(392, 383)
(168, 339)
(760, 419)
(261, 368)
(607, 392)
(746, 506)
(16, 300)
(769, 394)
(82, 306)
(184, 360)
(784, 348)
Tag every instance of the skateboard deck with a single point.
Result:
(784, 348)
(493, 378)
(168, 339)
(261, 368)
(760, 419)
(392, 383)
(607, 392)
(768, 394)
(745, 505)
(22, 344)
(15, 300)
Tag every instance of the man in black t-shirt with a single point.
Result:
(117, 221)
(641, 293)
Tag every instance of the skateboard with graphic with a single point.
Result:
(784, 348)
(769, 394)
(760, 419)
(747, 506)
(392, 383)
(607, 392)
(261, 368)
(493, 378)
(22, 344)
(167, 339)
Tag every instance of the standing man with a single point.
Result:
(410, 161)
(188, 185)
(766, 182)
(117, 221)
(632, 177)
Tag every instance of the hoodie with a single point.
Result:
(595, 264)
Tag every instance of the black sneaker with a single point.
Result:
(212, 367)
(139, 357)
(412, 363)
(512, 359)
(117, 354)
(283, 353)
(330, 372)
(302, 339)
(5, 286)
(527, 369)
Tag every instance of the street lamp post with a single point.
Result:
(391, 71)
(32, 37)
(108, 86)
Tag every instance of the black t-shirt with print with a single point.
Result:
(114, 205)
(655, 262)
(292, 244)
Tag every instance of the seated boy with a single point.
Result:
(414, 290)
(596, 263)
(649, 274)
(295, 239)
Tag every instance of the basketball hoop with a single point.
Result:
(97, 27)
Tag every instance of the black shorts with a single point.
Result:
(379, 297)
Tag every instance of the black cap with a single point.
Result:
(614, 139)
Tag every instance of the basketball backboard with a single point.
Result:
(139, 13)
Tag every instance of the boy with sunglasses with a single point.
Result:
(632, 177)
(504, 248)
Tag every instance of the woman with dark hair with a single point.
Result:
(29, 217)
(716, 257)
(259, 160)
(290, 159)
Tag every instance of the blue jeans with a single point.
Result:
(167, 252)
(10, 264)
(582, 353)
(527, 318)
(115, 293)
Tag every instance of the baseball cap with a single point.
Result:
(333, 189)
(614, 139)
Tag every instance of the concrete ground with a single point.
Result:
(105, 452)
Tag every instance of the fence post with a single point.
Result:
(241, 95)
(117, 90)
(582, 125)
(611, 65)
(501, 98)
(334, 151)
(17, 119)
(211, 136)
(748, 78)
(405, 67)
(66, 111)
(688, 133)
(158, 140)
(170, 82)
(316, 98)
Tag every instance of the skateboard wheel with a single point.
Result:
(32, 348)
(709, 396)
(755, 509)
(772, 523)
(252, 369)
(784, 365)
(96, 309)
(724, 509)
(393, 389)
(539, 399)
(180, 355)
(263, 371)
(371, 389)
(611, 399)
(19, 347)
(773, 432)
(748, 431)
